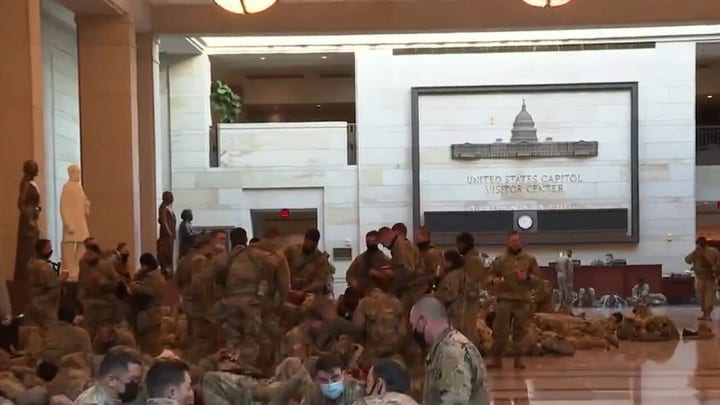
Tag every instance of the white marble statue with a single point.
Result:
(74, 209)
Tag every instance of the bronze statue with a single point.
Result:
(166, 241)
(28, 229)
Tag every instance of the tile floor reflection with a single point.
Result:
(652, 373)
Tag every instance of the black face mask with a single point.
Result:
(372, 248)
(424, 245)
(419, 338)
(124, 257)
(463, 249)
(46, 255)
(307, 249)
(131, 392)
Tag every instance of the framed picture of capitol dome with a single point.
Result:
(556, 162)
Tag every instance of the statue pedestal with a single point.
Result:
(71, 253)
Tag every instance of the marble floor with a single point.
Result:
(656, 373)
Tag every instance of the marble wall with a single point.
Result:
(60, 109)
(666, 77)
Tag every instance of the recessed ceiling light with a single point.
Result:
(318, 105)
(323, 57)
(710, 96)
(262, 58)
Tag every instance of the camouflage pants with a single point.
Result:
(42, 310)
(510, 314)
(202, 339)
(243, 324)
(97, 313)
(147, 331)
(705, 290)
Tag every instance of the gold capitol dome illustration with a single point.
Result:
(524, 144)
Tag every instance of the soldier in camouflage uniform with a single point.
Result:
(455, 373)
(474, 265)
(403, 266)
(358, 274)
(240, 384)
(705, 260)
(459, 295)
(380, 318)
(332, 385)
(277, 277)
(148, 289)
(309, 267)
(514, 275)
(191, 263)
(168, 383)
(244, 290)
(298, 341)
(44, 286)
(97, 288)
(388, 383)
(429, 260)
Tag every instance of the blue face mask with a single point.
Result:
(333, 390)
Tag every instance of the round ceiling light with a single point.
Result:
(547, 3)
(245, 6)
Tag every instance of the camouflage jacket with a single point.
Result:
(354, 391)
(161, 401)
(95, 395)
(42, 280)
(455, 372)
(405, 257)
(430, 258)
(98, 281)
(506, 266)
(388, 398)
(359, 270)
(381, 318)
(477, 272)
(190, 264)
(705, 261)
(308, 273)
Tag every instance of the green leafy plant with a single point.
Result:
(225, 102)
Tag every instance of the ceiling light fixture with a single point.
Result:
(547, 3)
(262, 58)
(710, 96)
(323, 57)
(318, 105)
(245, 6)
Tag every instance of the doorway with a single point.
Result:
(290, 223)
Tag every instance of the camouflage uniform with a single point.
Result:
(204, 297)
(297, 343)
(455, 372)
(245, 290)
(388, 398)
(44, 292)
(353, 391)
(245, 387)
(513, 298)
(476, 269)
(161, 401)
(360, 269)
(308, 273)
(705, 265)
(277, 276)
(95, 395)
(149, 317)
(62, 338)
(98, 285)
(565, 279)
(380, 317)
(190, 264)
(420, 282)
(651, 329)
(461, 298)
(405, 263)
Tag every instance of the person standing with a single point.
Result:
(44, 285)
(309, 267)
(565, 273)
(460, 297)
(186, 234)
(514, 274)
(474, 266)
(166, 240)
(147, 297)
(455, 372)
(704, 260)
(358, 274)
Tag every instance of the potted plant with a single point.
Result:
(225, 103)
